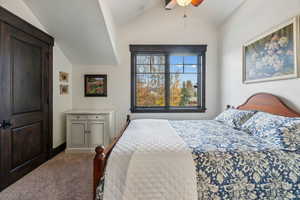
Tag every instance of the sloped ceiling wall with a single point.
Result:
(84, 29)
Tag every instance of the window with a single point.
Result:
(168, 78)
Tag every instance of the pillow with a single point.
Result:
(287, 135)
(262, 123)
(235, 117)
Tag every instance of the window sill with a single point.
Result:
(168, 110)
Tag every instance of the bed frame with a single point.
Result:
(262, 102)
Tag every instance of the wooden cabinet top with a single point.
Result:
(88, 112)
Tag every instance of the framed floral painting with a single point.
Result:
(95, 85)
(272, 56)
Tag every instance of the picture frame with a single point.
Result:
(64, 77)
(95, 85)
(64, 89)
(273, 55)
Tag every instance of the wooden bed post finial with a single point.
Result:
(99, 151)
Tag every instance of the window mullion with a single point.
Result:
(203, 80)
(133, 82)
(167, 82)
(199, 82)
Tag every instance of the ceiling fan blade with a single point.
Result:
(170, 4)
(197, 2)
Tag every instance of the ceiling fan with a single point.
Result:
(170, 4)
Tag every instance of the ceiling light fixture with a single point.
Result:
(170, 4)
(184, 3)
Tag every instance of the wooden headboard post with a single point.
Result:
(268, 103)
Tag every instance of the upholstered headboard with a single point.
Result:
(268, 103)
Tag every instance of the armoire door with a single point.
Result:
(24, 111)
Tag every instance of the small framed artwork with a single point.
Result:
(64, 89)
(95, 85)
(274, 55)
(64, 77)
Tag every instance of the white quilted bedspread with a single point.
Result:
(150, 162)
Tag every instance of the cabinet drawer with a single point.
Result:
(78, 117)
(96, 117)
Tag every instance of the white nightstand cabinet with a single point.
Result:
(88, 129)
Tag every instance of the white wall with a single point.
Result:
(154, 27)
(60, 63)
(251, 19)
(61, 103)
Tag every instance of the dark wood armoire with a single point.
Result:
(25, 97)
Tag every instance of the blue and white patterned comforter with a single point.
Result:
(232, 164)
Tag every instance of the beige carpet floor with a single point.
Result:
(65, 177)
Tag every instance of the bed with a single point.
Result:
(201, 159)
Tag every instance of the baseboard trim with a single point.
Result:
(58, 150)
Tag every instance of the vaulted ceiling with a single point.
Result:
(86, 29)
(214, 10)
